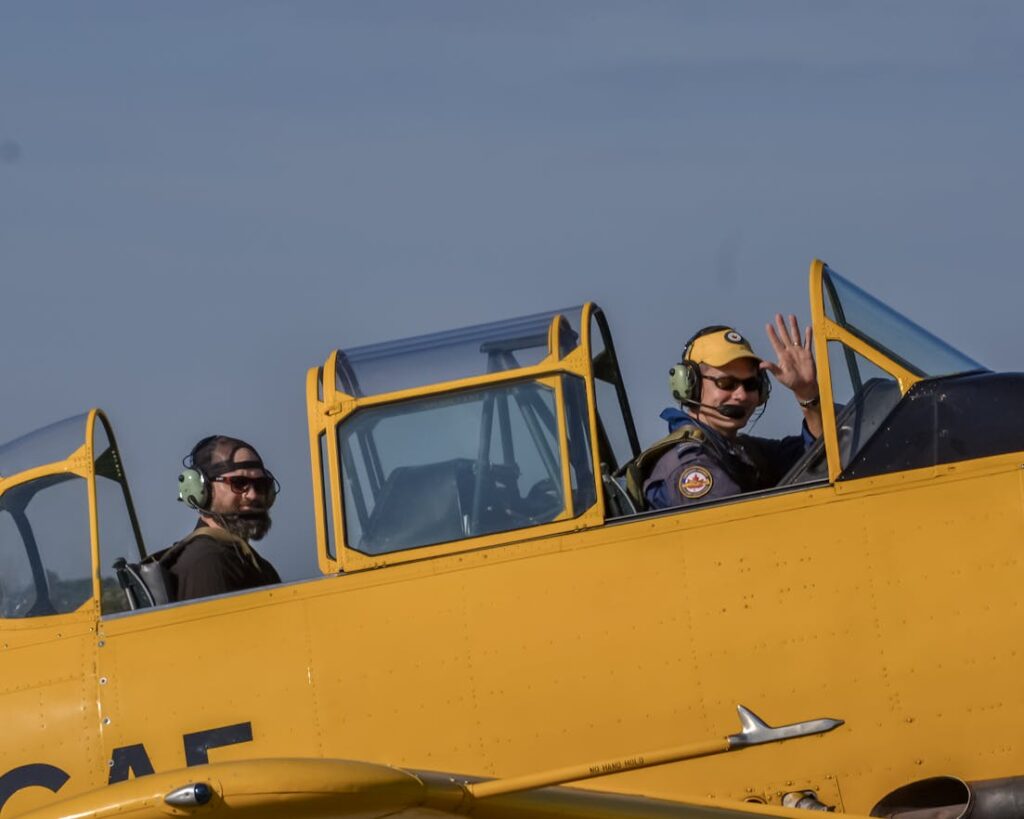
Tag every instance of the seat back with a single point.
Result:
(144, 584)
(157, 580)
(617, 500)
(420, 505)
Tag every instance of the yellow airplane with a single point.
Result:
(500, 631)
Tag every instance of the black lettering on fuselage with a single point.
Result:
(37, 774)
(197, 744)
(128, 760)
(131, 758)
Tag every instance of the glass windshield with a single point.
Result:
(889, 332)
(863, 395)
(445, 468)
(44, 446)
(453, 354)
(44, 547)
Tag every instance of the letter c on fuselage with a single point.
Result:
(37, 774)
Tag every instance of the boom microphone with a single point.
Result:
(733, 411)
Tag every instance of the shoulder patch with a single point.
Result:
(695, 482)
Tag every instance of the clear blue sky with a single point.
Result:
(198, 201)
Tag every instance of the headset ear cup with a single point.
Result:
(677, 382)
(193, 488)
(684, 382)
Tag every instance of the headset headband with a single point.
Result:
(201, 457)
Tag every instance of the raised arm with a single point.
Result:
(795, 368)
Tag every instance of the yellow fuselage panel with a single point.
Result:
(48, 699)
(872, 602)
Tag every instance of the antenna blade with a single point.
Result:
(755, 731)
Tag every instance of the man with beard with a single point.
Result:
(226, 482)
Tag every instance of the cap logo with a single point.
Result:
(734, 337)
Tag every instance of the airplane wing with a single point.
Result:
(315, 788)
(312, 788)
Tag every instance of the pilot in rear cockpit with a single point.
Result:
(225, 481)
(719, 384)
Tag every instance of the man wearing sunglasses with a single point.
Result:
(225, 481)
(719, 384)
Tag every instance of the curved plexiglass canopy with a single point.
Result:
(451, 355)
(869, 357)
(66, 516)
(922, 353)
(47, 445)
(462, 435)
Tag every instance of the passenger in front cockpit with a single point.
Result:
(719, 384)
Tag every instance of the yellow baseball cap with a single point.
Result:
(720, 347)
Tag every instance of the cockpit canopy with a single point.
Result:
(435, 468)
(890, 333)
(470, 433)
(453, 355)
(63, 493)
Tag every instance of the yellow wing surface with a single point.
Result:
(314, 788)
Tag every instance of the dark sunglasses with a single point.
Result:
(240, 484)
(731, 382)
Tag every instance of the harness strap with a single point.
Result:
(638, 470)
(222, 536)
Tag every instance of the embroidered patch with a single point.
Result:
(734, 337)
(695, 482)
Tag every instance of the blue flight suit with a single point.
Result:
(705, 465)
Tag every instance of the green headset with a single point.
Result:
(194, 482)
(193, 488)
(685, 378)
